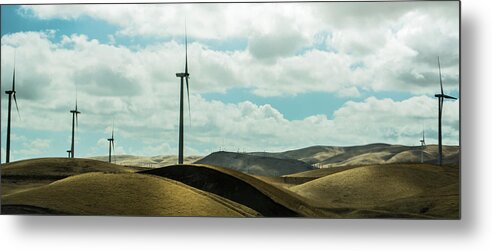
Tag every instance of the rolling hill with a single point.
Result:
(373, 181)
(334, 156)
(254, 164)
(239, 187)
(271, 200)
(61, 167)
(412, 188)
(146, 161)
(122, 194)
(27, 174)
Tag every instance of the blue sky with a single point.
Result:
(15, 20)
(320, 78)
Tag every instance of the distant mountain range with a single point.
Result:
(147, 161)
(332, 156)
(255, 164)
(300, 160)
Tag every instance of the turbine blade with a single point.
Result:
(13, 80)
(16, 107)
(449, 97)
(186, 50)
(13, 77)
(76, 98)
(188, 95)
(186, 72)
(440, 78)
(112, 146)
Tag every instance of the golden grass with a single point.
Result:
(9, 186)
(267, 199)
(27, 174)
(59, 167)
(389, 190)
(255, 164)
(146, 161)
(318, 173)
(126, 194)
(371, 185)
(377, 154)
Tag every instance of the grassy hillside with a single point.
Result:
(412, 188)
(41, 186)
(26, 174)
(61, 167)
(124, 194)
(147, 161)
(255, 165)
(331, 156)
(239, 187)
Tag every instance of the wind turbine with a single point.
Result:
(184, 75)
(111, 144)
(422, 145)
(11, 94)
(69, 152)
(75, 120)
(440, 98)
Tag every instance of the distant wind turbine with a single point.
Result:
(75, 121)
(111, 144)
(184, 75)
(11, 94)
(422, 145)
(69, 152)
(440, 98)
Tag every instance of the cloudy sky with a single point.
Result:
(264, 77)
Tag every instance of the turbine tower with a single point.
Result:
(75, 120)
(11, 94)
(183, 75)
(69, 152)
(111, 144)
(440, 99)
(422, 145)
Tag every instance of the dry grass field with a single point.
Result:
(125, 194)
(334, 156)
(26, 174)
(261, 196)
(254, 164)
(387, 189)
(146, 161)
(411, 188)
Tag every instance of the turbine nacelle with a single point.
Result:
(182, 75)
(444, 96)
